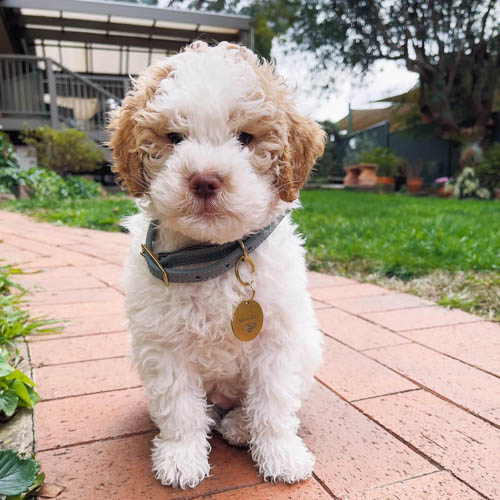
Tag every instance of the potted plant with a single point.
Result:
(439, 185)
(388, 164)
(414, 180)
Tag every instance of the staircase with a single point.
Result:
(39, 91)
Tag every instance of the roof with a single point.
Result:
(365, 118)
(83, 34)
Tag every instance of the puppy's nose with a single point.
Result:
(204, 185)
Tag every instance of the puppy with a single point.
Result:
(210, 144)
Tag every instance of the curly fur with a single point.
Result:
(182, 343)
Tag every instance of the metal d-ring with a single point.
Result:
(248, 260)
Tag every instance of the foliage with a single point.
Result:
(101, 213)
(467, 186)
(64, 151)
(48, 185)
(331, 161)
(271, 18)
(453, 46)
(488, 168)
(8, 162)
(19, 476)
(17, 390)
(15, 322)
(355, 146)
(386, 159)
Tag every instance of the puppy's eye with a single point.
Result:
(245, 138)
(175, 138)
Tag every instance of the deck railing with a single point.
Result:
(39, 87)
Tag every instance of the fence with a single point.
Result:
(428, 156)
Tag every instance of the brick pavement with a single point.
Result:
(406, 404)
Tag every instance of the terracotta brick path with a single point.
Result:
(406, 406)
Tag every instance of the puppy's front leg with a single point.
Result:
(271, 406)
(178, 407)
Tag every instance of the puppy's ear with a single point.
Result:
(306, 142)
(125, 134)
(126, 162)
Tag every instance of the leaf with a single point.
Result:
(5, 368)
(8, 402)
(33, 395)
(19, 375)
(17, 474)
(38, 482)
(20, 389)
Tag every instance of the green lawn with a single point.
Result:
(443, 249)
(399, 236)
(102, 213)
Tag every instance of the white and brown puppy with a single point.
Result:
(211, 145)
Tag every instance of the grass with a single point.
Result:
(101, 213)
(446, 250)
(443, 249)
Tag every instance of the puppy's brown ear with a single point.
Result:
(306, 142)
(125, 133)
(126, 162)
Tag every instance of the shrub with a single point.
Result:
(64, 151)
(48, 185)
(467, 186)
(8, 165)
(488, 169)
(387, 160)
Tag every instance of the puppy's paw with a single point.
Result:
(181, 464)
(284, 459)
(233, 428)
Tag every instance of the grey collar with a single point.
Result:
(218, 258)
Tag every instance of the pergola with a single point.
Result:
(107, 37)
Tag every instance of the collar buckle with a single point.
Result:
(154, 257)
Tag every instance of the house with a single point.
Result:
(68, 62)
(427, 155)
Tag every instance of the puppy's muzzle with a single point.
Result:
(204, 186)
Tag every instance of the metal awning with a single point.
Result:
(103, 37)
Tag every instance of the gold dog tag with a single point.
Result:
(248, 317)
(247, 320)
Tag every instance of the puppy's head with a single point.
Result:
(211, 137)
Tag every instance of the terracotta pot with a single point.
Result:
(415, 184)
(442, 192)
(368, 175)
(387, 181)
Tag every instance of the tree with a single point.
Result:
(453, 45)
(271, 18)
(331, 162)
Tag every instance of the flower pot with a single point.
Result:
(415, 184)
(368, 176)
(386, 183)
(442, 192)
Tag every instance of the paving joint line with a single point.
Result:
(38, 367)
(83, 335)
(411, 341)
(440, 396)
(385, 395)
(216, 491)
(71, 396)
(324, 486)
(387, 429)
(99, 440)
(450, 356)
